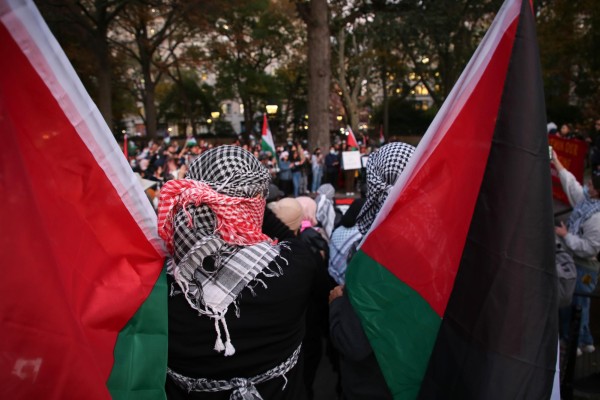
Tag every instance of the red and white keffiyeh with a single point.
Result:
(239, 219)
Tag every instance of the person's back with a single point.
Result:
(238, 297)
(270, 327)
(361, 375)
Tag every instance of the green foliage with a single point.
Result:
(569, 37)
(405, 119)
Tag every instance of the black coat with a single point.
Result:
(361, 377)
(270, 327)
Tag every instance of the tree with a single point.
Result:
(316, 16)
(354, 67)
(149, 33)
(187, 101)
(569, 37)
(249, 40)
(90, 22)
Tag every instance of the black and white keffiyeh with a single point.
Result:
(210, 271)
(383, 169)
(325, 207)
(241, 388)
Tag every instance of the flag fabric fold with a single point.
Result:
(465, 306)
(80, 250)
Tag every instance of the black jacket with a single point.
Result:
(361, 377)
(269, 328)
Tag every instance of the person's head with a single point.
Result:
(284, 156)
(196, 149)
(597, 125)
(317, 151)
(326, 190)
(274, 193)
(332, 150)
(289, 211)
(564, 130)
(232, 171)
(309, 209)
(383, 169)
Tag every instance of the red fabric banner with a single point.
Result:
(571, 153)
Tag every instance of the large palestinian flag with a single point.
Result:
(455, 283)
(83, 307)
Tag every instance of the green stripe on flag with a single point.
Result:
(140, 367)
(400, 324)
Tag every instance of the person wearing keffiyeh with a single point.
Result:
(361, 377)
(238, 297)
(325, 208)
(581, 237)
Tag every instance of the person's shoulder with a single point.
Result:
(299, 252)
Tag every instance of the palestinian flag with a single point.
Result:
(267, 143)
(83, 308)
(352, 142)
(465, 305)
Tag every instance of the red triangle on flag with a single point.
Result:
(352, 142)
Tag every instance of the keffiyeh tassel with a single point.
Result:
(227, 348)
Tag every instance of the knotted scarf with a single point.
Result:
(211, 222)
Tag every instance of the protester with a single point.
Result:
(349, 175)
(306, 170)
(297, 162)
(581, 236)
(565, 132)
(225, 277)
(291, 212)
(317, 163)
(325, 208)
(343, 242)
(361, 376)
(309, 211)
(285, 173)
(332, 167)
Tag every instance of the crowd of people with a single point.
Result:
(258, 257)
(258, 261)
(295, 170)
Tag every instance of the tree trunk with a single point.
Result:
(319, 75)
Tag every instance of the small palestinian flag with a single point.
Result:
(352, 142)
(455, 283)
(83, 307)
(267, 143)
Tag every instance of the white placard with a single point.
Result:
(351, 160)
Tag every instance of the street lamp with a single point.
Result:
(339, 118)
(271, 108)
(215, 114)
